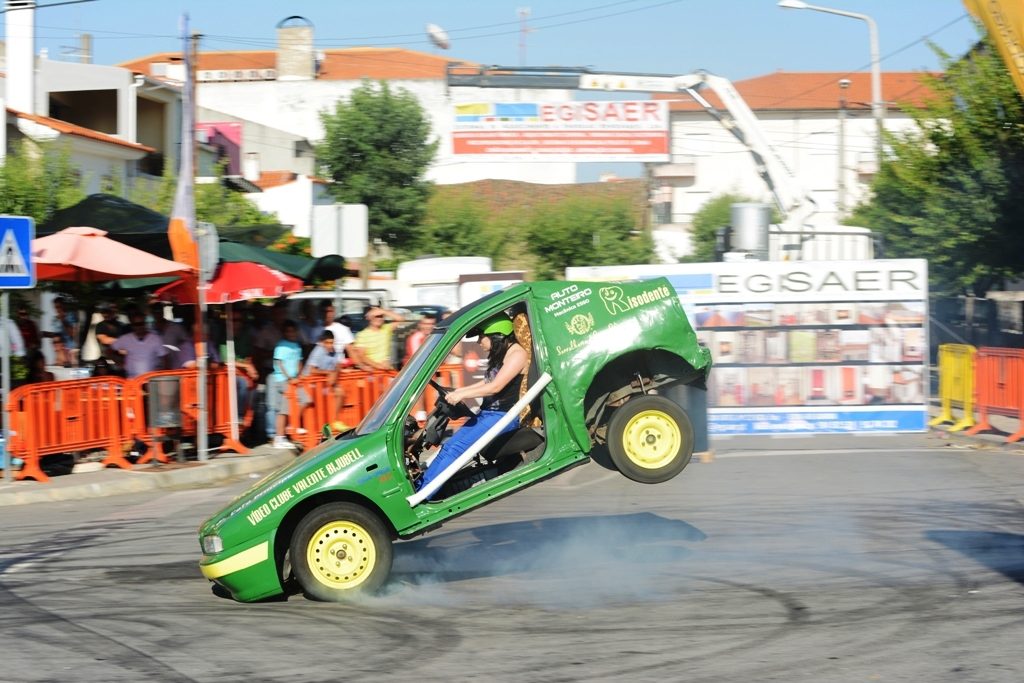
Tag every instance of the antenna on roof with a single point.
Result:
(438, 36)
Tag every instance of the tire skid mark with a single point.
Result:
(92, 645)
(37, 559)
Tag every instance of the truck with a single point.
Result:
(614, 368)
(449, 281)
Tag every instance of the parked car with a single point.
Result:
(611, 364)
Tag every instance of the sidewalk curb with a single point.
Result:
(990, 440)
(119, 482)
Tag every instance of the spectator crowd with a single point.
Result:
(271, 350)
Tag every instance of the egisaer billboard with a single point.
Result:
(805, 347)
(562, 131)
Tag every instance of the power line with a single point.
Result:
(886, 56)
(254, 41)
(52, 4)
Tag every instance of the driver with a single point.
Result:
(506, 360)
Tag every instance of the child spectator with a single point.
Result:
(286, 368)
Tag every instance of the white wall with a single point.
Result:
(294, 106)
(807, 142)
(96, 161)
(293, 203)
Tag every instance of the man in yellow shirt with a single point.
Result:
(374, 342)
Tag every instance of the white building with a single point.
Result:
(277, 97)
(801, 117)
(286, 90)
(117, 125)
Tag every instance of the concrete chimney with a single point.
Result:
(85, 48)
(296, 60)
(21, 64)
(251, 167)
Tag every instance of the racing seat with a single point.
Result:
(517, 447)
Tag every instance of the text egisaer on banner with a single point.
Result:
(611, 130)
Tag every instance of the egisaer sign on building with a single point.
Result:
(805, 347)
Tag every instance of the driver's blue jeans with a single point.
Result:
(463, 439)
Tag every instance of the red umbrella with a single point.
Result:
(88, 255)
(235, 282)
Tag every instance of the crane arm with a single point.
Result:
(795, 204)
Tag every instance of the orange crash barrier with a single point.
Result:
(314, 402)
(146, 427)
(63, 417)
(956, 385)
(999, 382)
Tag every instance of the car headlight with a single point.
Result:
(212, 545)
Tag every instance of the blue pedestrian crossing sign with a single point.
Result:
(16, 269)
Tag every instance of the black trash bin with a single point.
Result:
(164, 402)
(694, 401)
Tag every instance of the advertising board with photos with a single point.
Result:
(805, 347)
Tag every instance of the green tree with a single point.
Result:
(714, 214)
(950, 191)
(38, 179)
(376, 149)
(586, 232)
(215, 202)
(457, 225)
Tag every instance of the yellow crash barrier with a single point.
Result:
(956, 385)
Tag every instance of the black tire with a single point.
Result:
(340, 550)
(650, 439)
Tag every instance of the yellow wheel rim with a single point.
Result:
(341, 555)
(651, 439)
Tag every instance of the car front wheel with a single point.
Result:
(340, 550)
(650, 439)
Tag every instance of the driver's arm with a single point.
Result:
(515, 361)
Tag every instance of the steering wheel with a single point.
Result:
(457, 410)
(441, 389)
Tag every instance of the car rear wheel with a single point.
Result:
(340, 550)
(650, 439)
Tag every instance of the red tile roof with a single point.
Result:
(815, 90)
(71, 129)
(338, 64)
(269, 179)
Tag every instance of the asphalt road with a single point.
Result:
(844, 559)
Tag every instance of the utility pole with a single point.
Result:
(844, 83)
(192, 57)
(524, 14)
(202, 438)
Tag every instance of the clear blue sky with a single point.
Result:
(735, 38)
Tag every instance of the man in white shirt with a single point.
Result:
(342, 339)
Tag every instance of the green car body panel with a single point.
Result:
(578, 328)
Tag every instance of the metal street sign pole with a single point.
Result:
(208, 243)
(5, 344)
(17, 271)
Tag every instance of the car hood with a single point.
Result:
(282, 476)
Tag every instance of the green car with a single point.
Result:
(611, 364)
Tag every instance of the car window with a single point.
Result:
(380, 411)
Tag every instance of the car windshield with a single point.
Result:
(393, 394)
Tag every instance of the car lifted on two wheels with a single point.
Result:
(612, 364)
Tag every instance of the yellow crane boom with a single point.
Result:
(1004, 20)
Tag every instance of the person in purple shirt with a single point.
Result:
(143, 350)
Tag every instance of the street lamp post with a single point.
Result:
(844, 83)
(877, 105)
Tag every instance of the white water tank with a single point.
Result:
(750, 228)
